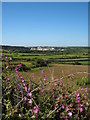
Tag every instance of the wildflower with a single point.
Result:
(76, 93)
(80, 109)
(87, 103)
(85, 96)
(49, 87)
(42, 71)
(7, 67)
(25, 98)
(81, 89)
(30, 101)
(58, 88)
(19, 115)
(8, 79)
(25, 88)
(22, 80)
(62, 106)
(6, 57)
(56, 106)
(86, 90)
(30, 94)
(35, 110)
(42, 90)
(15, 90)
(28, 89)
(70, 114)
(37, 89)
(16, 70)
(57, 98)
(73, 75)
(55, 83)
(45, 77)
(65, 117)
(86, 108)
(2, 55)
(24, 84)
(67, 108)
(21, 77)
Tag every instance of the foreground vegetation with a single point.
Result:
(56, 98)
(45, 84)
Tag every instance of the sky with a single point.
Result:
(45, 24)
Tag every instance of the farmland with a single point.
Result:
(52, 77)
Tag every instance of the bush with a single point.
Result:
(41, 63)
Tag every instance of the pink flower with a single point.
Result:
(30, 101)
(13, 65)
(8, 79)
(73, 75)
(62, 106)
(37, 89)
(57, 98)
(30, 94)
(87, 103)
(55, 83)
(81, 89)
(67, 108)
(15, 90)
(22, 80)
(86, 90)
(42, 71)
(58, 88)
(65, 117)
(76, 93)
(49, 87)
(80, 109)
(28, 89)
(6, 57)
(25, 88)
(7, 67)
(16, 70)
(19, 115)
(2, 55)
(85, 96)
(42, 90)
(35, 110)
(45, 77)
(70, 114)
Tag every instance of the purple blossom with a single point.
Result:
(55, 83)
(70, 114)
(7, 67)
(81, 89)
(19, 115)
(6, 57)
(42, 71)
(42, 90)
(62, 106)
(65, 117)
(8, 79)
(30, 101)
(30, 94)
(58, 98)
(76, 93)
(25, 88)
(80, 109)
(86, 90)
(67, 108)
(35, 110)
